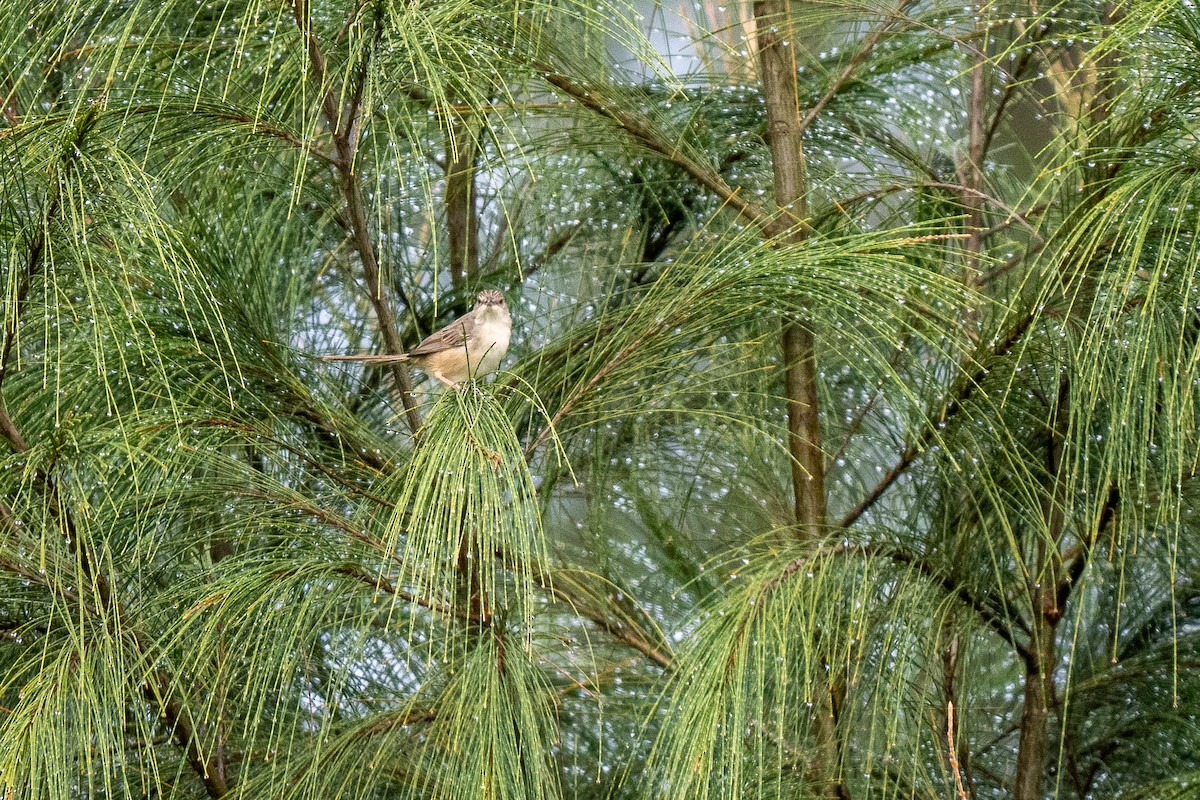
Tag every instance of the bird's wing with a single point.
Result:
(453, 335)
(368, 358)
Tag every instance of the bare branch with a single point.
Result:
(645, 134)
(999, 624)
(344, 133)
(865, 50)
(966, 390)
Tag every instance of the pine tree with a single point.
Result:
(846, 447)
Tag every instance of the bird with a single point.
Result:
(471, 346)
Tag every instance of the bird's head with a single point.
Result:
(490, 297)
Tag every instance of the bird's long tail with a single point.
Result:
(369, 358)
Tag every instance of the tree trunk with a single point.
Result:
(1037, 698)
(970, 170)
(785, 138)
(462, 217)
(1046, 605)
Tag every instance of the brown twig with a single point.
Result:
(953, 747)
(645, 134)
(966, 390)
(999, 624)
(344, 132)
(179, 722)
(865, 50)
(581, 391)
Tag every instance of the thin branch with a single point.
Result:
(623, 633)
(1003, 269)
(951, 741)
(1076, 559)
(303, 455)
(316, 63)
(328, 518)
(12, 110)
(37, 251)
(178, 719)
(645, 134)
(999, 624)
(580, 392)
(970, 175)
(838, 207)
(382, 584)
(978, 193)
(40, 578)
(9, 430)
(856, 424)
(1039, 689)
(270, 130)
(462, 214)
(333, 435)
(997, 739)
(867, 48)
(179, 723)
(352, 191)
(353, 120)
(1009, 92)
(967, 389)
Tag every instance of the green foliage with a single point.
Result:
(231, 569)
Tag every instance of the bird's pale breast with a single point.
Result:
(490, 341)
